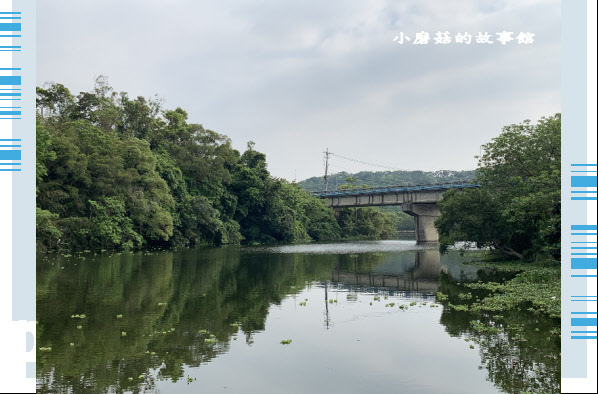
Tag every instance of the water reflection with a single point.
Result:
(151, 318)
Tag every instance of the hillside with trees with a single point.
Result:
(387, 178)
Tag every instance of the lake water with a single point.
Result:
(361, 317)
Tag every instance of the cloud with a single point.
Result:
(297, 77)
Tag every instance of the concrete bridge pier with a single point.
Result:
(425, 214)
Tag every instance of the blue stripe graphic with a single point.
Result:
(10, 155)
(583, 227)
(581, 264)
(10, 80)
(583, 322)
(10, 27)
(583, 181)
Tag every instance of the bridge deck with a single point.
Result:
(396, 189)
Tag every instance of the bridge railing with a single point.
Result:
(390, 189)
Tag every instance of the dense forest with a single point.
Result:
(387, 178)
(517, 209)
(115, 172)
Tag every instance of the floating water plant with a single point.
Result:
(441, 296)
(79, 327)
(376, 298)
(45, 349)
(392, 304)
(78, 316)
(286, 341)
(123, 334)
(234, 325)
(71, 344)
(119, 316)
(162, 303)
(209, 340)
(203, 331)
(471, 346)
(303, 304)
(413, 303)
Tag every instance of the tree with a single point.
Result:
(516, 210)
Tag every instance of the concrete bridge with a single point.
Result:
(418, 201)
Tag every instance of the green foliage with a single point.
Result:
(120, 173)
(517, 209)
(370, 222)
(47, 234)
(110, 227)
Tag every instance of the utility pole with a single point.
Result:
(327, 155)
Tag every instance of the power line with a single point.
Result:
(366, 162)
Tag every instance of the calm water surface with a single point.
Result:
(362, 317)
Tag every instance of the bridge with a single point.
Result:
(419, 201)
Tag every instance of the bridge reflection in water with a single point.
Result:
(420, 274)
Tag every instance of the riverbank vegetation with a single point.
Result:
(116, 173)
(120, 173)
(517, 209)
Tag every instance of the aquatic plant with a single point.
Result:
(119, 316)
(45, 349)
(123, 334)
(441, 296)
(286, 341)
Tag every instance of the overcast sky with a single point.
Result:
(297, 77)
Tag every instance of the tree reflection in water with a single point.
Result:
(183, 309)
